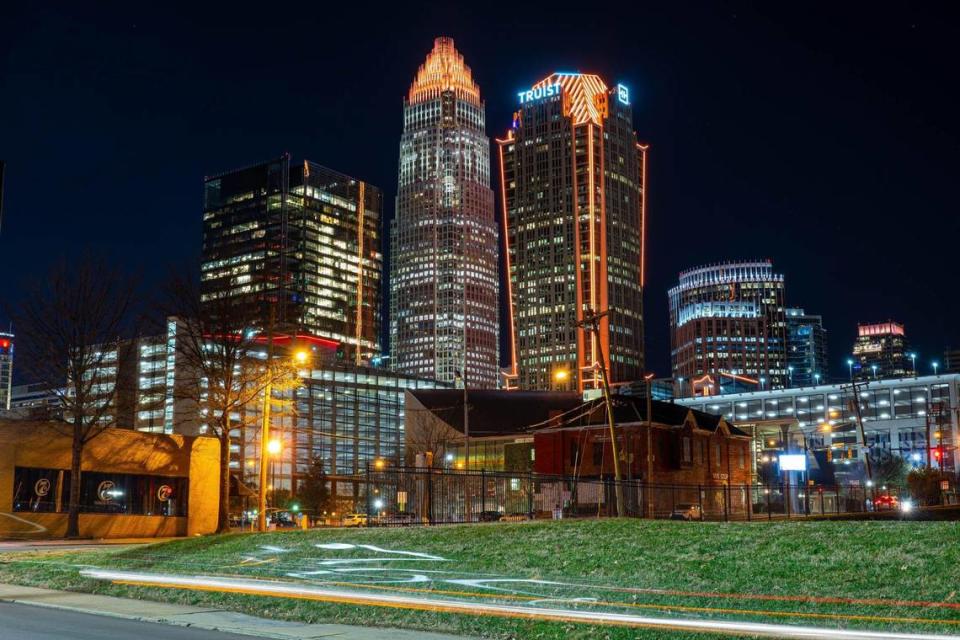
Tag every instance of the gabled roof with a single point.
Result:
(493, 412)
(633, 409)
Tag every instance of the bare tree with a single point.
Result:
(69, 328)
(222, 347)
(427, 433)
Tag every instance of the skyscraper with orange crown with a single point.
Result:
(444, 262)
(573, 178)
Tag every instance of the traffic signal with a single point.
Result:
(341, 352)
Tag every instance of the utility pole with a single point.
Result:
(591, 323)
(855, 390)
(649, 380)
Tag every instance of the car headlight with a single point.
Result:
(906, 505)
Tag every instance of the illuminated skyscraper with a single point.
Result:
(573, 177)
(444, 270)
(728, 326)
(806, 349)
(880, 351)
(302, 240)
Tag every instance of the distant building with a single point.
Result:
(35, 401)
(444, 273)
(573, 187)
(807, 362)
(6, 370)
(898, 415)
(951, 360)
(302, 240)
(880, 351)
(728, 326)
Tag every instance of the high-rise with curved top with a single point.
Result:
(444, 265)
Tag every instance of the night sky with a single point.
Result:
(827, 141)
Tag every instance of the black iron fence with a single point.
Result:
(398, 496)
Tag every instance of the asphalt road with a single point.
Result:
(27, 622)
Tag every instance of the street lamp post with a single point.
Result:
(762, 381)
(850, 366)
(816, 378)
(935, 366)
(874, 367)
(913, 360)
(790, 375)
(680, 386)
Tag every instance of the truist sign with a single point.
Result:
(545, 91)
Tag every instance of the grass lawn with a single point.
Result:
(790, 573)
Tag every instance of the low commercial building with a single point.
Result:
(911, 417)
(132, 484)
(556, 433)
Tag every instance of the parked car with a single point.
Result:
(886, 502)
(354, 520)
(686, 511)
(285, 523)
(490, 516)
(400, 517)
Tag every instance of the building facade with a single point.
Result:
(346, 416)
(444, 297)
(880, 351)
(807, 362)
(572, 181)
(301, 242)
(951, 360)
(728, 325)
(6, 370)
(904, 416)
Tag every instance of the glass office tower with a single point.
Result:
(572, 180)
(806, 349)
(444, 298)
(303, 240)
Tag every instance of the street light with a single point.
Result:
(560, 376)
(680, 386)
(762, 380)
(935, 365)
(301, 356)
(850, 365)
(913, 359)
(874, 367)
(790, 374)
(816, 377)
(274, 447)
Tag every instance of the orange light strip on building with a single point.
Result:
(592, 256)
(578, 271)
(444, 70)
(604, 276)
(506, 246)
(643, 214)
(361, 209)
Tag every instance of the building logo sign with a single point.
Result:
(164, 493)
(42, 487)
(106, 491)
(623, 94)
(538, 93)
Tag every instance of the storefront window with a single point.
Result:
(111, 493)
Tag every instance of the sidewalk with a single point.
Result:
(202, 618)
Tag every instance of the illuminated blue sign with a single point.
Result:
(537, 93)
(623, 94)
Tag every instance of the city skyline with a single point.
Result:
(664, 108)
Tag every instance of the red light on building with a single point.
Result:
(881, 329)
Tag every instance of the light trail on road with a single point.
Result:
(422, 603)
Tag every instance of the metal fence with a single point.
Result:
(400, 496)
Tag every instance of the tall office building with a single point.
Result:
(6, 370)
(728, 327)
(806, 349)
(572, 180)
(880, 351)
(303, 240)
(444, 272)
